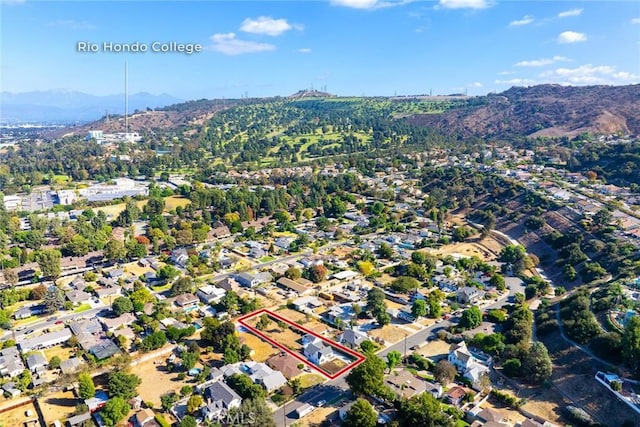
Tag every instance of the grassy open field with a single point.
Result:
(171, 202)
(63, 353)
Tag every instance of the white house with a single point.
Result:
(317, 352)
(220, 398)
(469, 366)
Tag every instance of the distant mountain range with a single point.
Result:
(62, 106)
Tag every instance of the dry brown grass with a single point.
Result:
(435, 350)
(156, 380)
(58, 406)
(63, 353)
(17, 416)
(390, 333)
(262, 350)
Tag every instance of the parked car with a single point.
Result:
(321, 403)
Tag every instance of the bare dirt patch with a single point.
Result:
(262, 349)
(58, 406)
(291, 315)
(309, 380)
(435, 350)
(156, 380)
(18, 417)
(389, 333)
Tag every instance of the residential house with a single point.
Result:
(187, 302)
(257, 253)
(36, 362)
(111, 324)
(307, 304)
(283, 242)
(97, 402)
(78, 297)
(11, 389)
(10, 362)
(352, 338)
(87, 331)
(145, 418)
(487, 415)
(44, 341)
(468, 295)
(179, 257)
(228, 284)
(219, 399)
(109, 291)
(404, 384)
(79, 420)
(285, 363)
(104, 349)
(115, 274)
(247, 280)
(455, 396)
(210, 294)
(293, 285)
(33, 310)
(469, 366)
(317, 352)
(262, 374)
(70, 366)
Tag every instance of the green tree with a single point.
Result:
(122, 305)
(361, 414)
(124, 385)
(471, 318)
(188, 421)
(405, 284)
(419, 308)
(423, 410)
(317, 273)
(181, 286)
(194, 403)
(86, 388)
(512, 367)
(54, 362)
(536, 365)
(385, 251)
(497, 280)
(444, 372)
(54, 299)
(394, 357)
(252, 411)
(49, 263)
(293, 273)
(631, 344)
(245, 387)
(115, 250)
(114, 411)
(368, 377)
(153, 341)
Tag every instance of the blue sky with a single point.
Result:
(353, 47)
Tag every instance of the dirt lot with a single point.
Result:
(309, 380)
(156, 381)
(333, 366)
(486, 249)
(285, 337)
(135, 269)
(573, 377)
(58, 406)
(18, 417)
(262, 349)
(291, 315)
(389, 333)
(435, 350)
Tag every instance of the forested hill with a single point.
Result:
(545, 110)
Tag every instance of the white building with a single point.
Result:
(468, 365)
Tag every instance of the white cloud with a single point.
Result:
(527, 19)
(304, 50)
(635, 21)
(228, 44)
(571, 12)
(267, 25)
(369, 4)
(506, 73)
(475, 85)
(590, 74)
(516, 82)
(464, 4)
(541, 62)
(571, 37)
(74, 25)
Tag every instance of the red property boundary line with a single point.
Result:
(359, 358)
